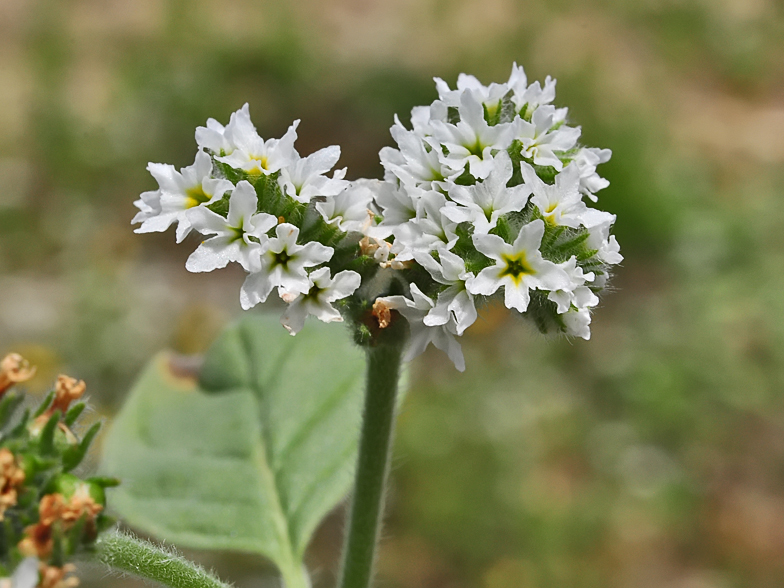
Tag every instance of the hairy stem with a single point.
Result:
(367, 506)
(124, 553)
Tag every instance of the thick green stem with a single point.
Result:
(127, 554)
(367, 506)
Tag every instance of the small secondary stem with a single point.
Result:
(367, 506)
(125, 553)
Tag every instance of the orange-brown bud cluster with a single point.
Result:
(11, 477)
(54, 509)
(14, 369)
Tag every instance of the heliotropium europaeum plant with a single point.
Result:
(486, 196)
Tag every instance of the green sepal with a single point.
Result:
(45, 403)
(225, 171)
(73, 413)
(546, 173)
(74, 455)
(465, 178)
(46, 439)
(19, 429)
(58, 549)
(104, 481)
(221, 206)
(8, 406)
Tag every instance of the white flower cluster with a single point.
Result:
(484, 195)
(252, 198)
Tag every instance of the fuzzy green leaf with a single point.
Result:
(254, 457)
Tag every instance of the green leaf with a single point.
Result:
(254, 457)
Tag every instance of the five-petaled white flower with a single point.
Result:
(518, 267)
(282, 266)
(577, 294)
(349, 210)
(454, 303)
(586, 161)
(178, 193)
(560, 204)
(483, 203)
(430, 229)
(472, 141)
(542, 138)
(417, 160)
(578, 323)
(253, 154)
(237, 238)
(318, 299)
(303, 178)
(213, 136)
(415, 309)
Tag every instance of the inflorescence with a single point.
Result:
(484, 197)
(48, 516)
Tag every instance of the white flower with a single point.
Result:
(518, 268)
(178, 193)
(317, 300)
(454, 303)
(541, 140)
(599, 224)
(586, 161)
(232, 240)
(529, 98)
(149, 205)
(472, 140)
(282, 265)
(349, 210)
(484, 202)
(398, 206)
(416, 162)
(576, 293)
(560, 204)
(430, 229)
(577, 322)
(442, 336)
(490, 96)
(253, 154)
(303, 177)
(213, 136)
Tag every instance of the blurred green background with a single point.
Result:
(651, 456)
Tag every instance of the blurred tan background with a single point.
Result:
(651, 456)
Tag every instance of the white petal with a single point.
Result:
(255, 289)
(487, 282)
(516, 297)
(242, 204)
(212, 254)
(294, 317)
(344, 284)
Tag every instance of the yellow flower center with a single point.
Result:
(517, 266)
(196, 196)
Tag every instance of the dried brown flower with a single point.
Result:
(382, 313)
(54, 577)
(14, 369)
(52, 509)
(11, 477)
